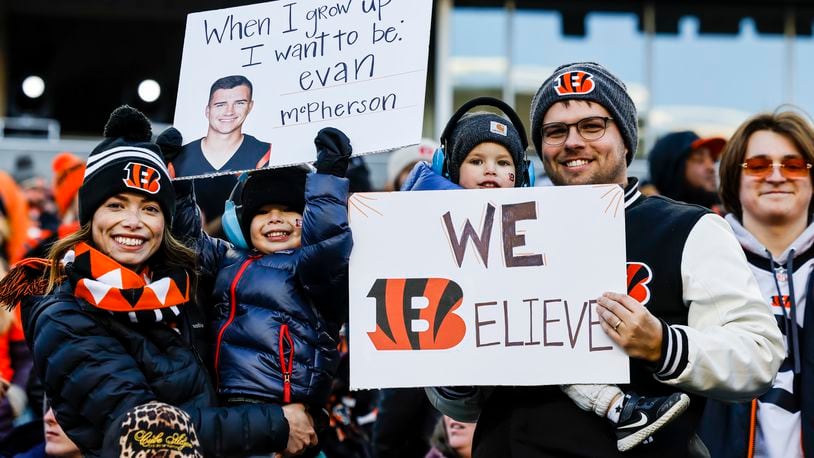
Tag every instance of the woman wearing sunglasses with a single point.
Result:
(766, 186)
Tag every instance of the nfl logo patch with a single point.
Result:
(782, 274)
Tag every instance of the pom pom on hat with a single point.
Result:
(126, 161)
(128, 123)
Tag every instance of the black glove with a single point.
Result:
(169, 142)
(183, 188)
(333, 152)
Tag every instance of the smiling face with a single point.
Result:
(460, 436)
(774, 199)
(228, 108)
(580, 161)
(488, 165)
(129, 228)
(274, 228)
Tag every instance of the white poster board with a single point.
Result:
(513, 304)
(357, 65)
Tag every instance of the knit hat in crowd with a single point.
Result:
(23, 169)
(154, 429)
(481, 127)
(126, 161)
(280, 186)
(402, 158)
(69, 171)
(592, 82)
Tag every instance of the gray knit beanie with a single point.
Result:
(481, 127)
(586, 81)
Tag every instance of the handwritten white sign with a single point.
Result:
(358, 65)
(485, 287)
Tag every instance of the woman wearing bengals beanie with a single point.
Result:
(115, 329)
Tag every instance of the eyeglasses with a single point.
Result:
(593, 128)
(762, 167)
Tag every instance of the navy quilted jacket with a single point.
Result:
(423, 178)
(277, 316)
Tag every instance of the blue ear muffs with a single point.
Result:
(440, 163)
(232, 214)
(531, 176)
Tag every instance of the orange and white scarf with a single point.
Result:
(143, 297)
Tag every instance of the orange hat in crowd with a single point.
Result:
(16, 208)
(69, 170)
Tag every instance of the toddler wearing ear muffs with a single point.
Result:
(479, 150)
(280, 291)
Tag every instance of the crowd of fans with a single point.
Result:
(52, 250)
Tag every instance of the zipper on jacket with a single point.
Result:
(232, 309)
(752, 429)
(285, 338)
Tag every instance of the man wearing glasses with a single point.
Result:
(692, 319)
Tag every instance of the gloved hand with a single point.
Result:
(183, 188)
(333, 152)
(169, 142)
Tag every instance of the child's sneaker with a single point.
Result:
(642, 416)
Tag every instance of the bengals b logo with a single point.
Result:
(574, 83)
(142, 177)
(638, 276)
(786, 302)
(397, 320)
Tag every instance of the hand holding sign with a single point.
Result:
(631, 326)
(333, 152)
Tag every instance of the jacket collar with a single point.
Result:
(632, 192)
(749, 243)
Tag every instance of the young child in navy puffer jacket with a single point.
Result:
(280, 291)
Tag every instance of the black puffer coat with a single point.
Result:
(96, 367)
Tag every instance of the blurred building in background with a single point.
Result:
(703, 65)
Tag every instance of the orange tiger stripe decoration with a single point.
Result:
(111, 286)
(576, 82)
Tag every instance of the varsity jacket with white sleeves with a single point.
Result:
(781, 421)
(719, 341)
